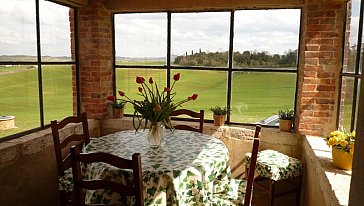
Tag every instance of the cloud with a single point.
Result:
(18, 28)
(145, 34)
(139, 35)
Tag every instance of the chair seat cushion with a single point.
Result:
(235, 195)
(275, 165)
(66, 182)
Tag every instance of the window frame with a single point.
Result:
(356, 74)
(229, 69)
(39, 63)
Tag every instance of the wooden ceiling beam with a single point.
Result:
(72, 3)
(198, 5)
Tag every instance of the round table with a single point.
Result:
(187, 168)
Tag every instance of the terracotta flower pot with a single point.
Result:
(219, 120)
(342, 159)
(118, 112)
(285, 125)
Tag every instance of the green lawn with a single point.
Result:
(20, 98)
(254, 95)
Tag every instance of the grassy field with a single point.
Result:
(20, 98)
(254, 95)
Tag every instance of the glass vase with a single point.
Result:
(156, 134)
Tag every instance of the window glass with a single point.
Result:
(200, 39)
(346, 107)
(258, 41)
(211, 87)
(125, 81)
(18, 31)
(57, 92)
(19, 98)
(258, 95)
(357, 104)
(141, 39)
(55, 32)
(352, 39)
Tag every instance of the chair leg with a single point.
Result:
(246, 173)
(271, 192)
(298, 192)
(63, 198)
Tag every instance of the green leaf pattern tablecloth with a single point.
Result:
(186, 170)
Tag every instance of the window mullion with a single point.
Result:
(168, 49)
(229, 80)
(39, 58)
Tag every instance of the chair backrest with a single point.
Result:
(88, 158)
(253, 162)
(190, 113)
(61, 147)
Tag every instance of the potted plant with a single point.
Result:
(117, 105)
(219, 115)
(342, 143)
(286, 118)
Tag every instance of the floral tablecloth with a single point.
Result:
(186, 170)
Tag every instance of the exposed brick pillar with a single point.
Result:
(74, 87)
(95, 57)
(320, 64)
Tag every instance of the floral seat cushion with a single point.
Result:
(234, 196)
(275, 165)
(66, 182)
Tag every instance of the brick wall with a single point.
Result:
(320, 64)
(74, 87)
(95, 58)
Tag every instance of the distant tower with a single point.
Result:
(192, 52)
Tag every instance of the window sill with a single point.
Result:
(333, 182)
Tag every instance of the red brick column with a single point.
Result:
(320, 64)
(95, 58)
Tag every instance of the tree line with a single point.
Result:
(245, 59)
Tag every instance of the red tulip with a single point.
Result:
(140, 80)
(150, 80)
(158, 108)
(121, 93)
(166, 89)
(110, 98)
(193, 97)
(176, 77)
(140, 89)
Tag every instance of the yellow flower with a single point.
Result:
(343, 143)
(332, 141)
(353, 133)
(335, 133)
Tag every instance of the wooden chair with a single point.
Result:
(272, 167)
(244, 187)
(80, 184)
(191, 114)
(61, 148)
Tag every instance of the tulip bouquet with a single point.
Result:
(156, 103)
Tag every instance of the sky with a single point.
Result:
(145, 35)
